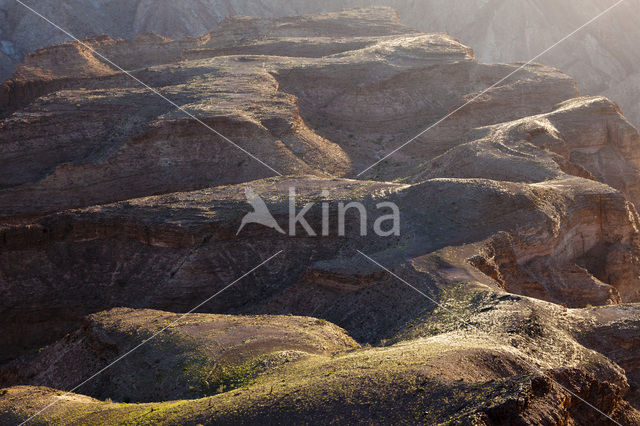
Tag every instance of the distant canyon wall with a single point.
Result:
(602, 57)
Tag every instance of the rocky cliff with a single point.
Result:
(602, 57)
(514, 280)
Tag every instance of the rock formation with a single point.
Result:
(602, 57)
(514, 285)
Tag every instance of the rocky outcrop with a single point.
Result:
(309, 109)
(205, 355)
(586, 137)
(485, 380)
(574, 266)
(612, 331)
(172, 251)
(602, 57)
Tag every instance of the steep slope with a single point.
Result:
(202, 355)
(602, 57)
(569, 240)
(335, 108)
(531, 370)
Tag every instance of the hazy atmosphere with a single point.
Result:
(296, 212)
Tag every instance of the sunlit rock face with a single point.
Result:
(602, 57)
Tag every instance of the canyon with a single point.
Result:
(602, 56)
(510, 294)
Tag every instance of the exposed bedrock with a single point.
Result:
(171, 252)
(168, 252)
(95, 135)
(204, 355)
(590, 257)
